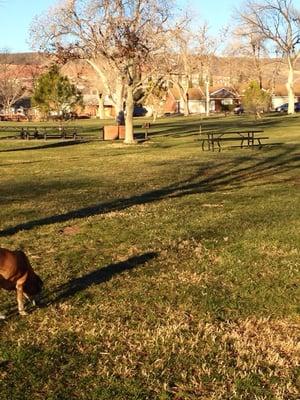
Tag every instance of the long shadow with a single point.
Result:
(46, 146)
(96, 277)
(167, 128)
(207, 179)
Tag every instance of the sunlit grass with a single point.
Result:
(170, 273)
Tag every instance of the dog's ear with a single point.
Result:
(33, 285)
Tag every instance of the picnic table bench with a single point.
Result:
(48, 133)
(143, 136)
(38, 132)
(247, 138)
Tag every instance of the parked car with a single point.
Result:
(139, 111)
(284, 107)
(238, 110)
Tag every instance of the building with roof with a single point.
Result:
(219, 97)
(280, 94)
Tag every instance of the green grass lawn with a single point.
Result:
(170, 273)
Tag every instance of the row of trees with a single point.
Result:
(274, 25)
(50, 92)
(12, 88)
(128, 41)
(121, 40)
(136, 46)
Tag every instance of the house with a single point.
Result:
(223, 96)
(90, 85)
(196, 101)
(16, 86)
(219, 96)
(90, 99)
(280, 94)
(174, 103)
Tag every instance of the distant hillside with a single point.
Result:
(226, 71)
(22, 58)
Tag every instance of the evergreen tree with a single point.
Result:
(54, 93)
(256, 100)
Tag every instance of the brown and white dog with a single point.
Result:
(17, 274)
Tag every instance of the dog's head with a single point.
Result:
(33, 285)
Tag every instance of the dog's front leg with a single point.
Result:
(20, 299)
(29, 299)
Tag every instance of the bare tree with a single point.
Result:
(247, 59)
(189, 61)
(253, 50)
(155, 95)
(206, 55)
(85, 78)
(112, 82)
(180, 62)
(117, 38)
(278, 23)
(12, 86)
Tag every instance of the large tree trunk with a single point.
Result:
(129, 116)
(101, 112)
(154, 115)
(6, 108)
(186, 110)
(119, 100)
(207, 97)
(185, 98)
(290, 88)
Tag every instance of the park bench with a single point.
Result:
(247, 138)
(143, 136)
(62, 134)
(37, 132)
(146, 127)
(47, 133)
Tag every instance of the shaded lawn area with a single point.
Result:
(170, 273)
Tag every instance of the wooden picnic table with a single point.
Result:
(48, 132)
(248, 138)
(40, 132)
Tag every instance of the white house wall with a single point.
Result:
(197, 106)
(279, 100)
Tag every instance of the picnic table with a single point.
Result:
(38, 132)
(48, 132)
(247, 138)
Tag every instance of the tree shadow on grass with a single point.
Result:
(46, 146)
(21, 163)
(192, 126)
(96, 277)
(101, 275)
(210, 177)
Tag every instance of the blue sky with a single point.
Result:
(15, 19)
(17, 15)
